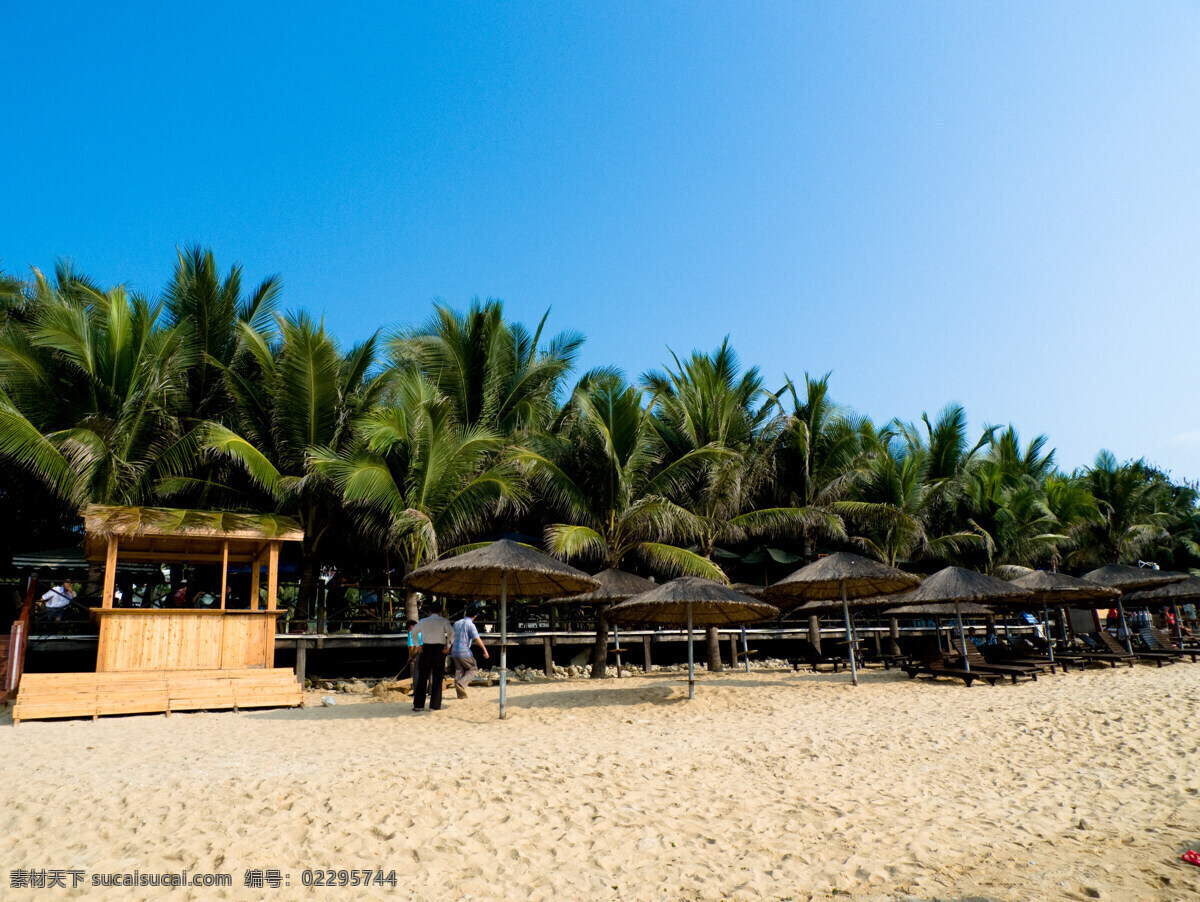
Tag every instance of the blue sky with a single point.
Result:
(994, 204)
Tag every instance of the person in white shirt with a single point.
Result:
(436, 634)
(57, 600)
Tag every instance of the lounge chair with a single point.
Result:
(1157, 657)
(808, 656)
(931, 661)
(1019, 651)
(1096, 651)
(1157, 640)
(978, 662)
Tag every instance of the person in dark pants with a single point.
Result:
(436, 634)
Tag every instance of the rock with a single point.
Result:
(328, 701)
(1082, 825)
(1091, 892)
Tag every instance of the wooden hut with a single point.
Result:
(176, 658)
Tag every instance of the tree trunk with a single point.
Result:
(712, 638)
(411, 611)
(306, 599)
(600, 649)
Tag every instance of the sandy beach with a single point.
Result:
(768, 786)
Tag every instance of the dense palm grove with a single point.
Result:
(415, 442)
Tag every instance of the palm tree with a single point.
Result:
(603, 467)
(208, 311)
(91, 389)
(705, 404)
(298, 396)
(819, 458)
(893, 500)
(495, 374)
(1132, 518)
(419, 480)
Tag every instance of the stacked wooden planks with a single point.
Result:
(45, 695)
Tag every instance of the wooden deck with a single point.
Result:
(47, 695)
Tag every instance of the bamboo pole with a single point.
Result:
(110, 573)
(272, 575)
(224, 571)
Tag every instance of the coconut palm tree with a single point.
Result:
(495, 374)
(419, 481)
(705, 402)
(1132, 516)
(603, 468)
(91, 390)
(819, 458)
(208, 311)
(299, 395)
(892, 501)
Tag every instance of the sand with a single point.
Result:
(768, 786)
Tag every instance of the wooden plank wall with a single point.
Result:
(184, 640)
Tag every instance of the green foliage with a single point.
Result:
(464, 427)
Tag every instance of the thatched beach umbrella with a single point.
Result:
(615, 585)
(956, 585)
(691, 601)
(495, 571)
(841, 575)
(1184, 591)
(1057, 590)
(1125, 578)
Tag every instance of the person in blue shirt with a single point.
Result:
(466, 635)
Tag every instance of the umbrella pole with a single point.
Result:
(1049, 638)
(937, 631)
(1124, 626)
(1178, 627)
(617, 646)
(691, 664)
(849, 636)
(503, 645)
(962, 636)
(746, 644)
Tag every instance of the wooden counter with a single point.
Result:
(141, 639)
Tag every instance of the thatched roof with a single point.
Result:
(712, 604)
(476, 574)
(1129, 579)
(615, 585)
(824, 578)
(109, 520)
(1054, 589)
(754, 591)
(959, 584)
(834, 605)
(939, 609)
(163, 533)
(1183, 591)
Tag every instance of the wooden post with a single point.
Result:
(272, 574)
(110, 573)
(814, 632)
(548, 652)
(894, 631)
(301, 660)
(733, 648)
(224, 571)
(255, 566)
(646, 654)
